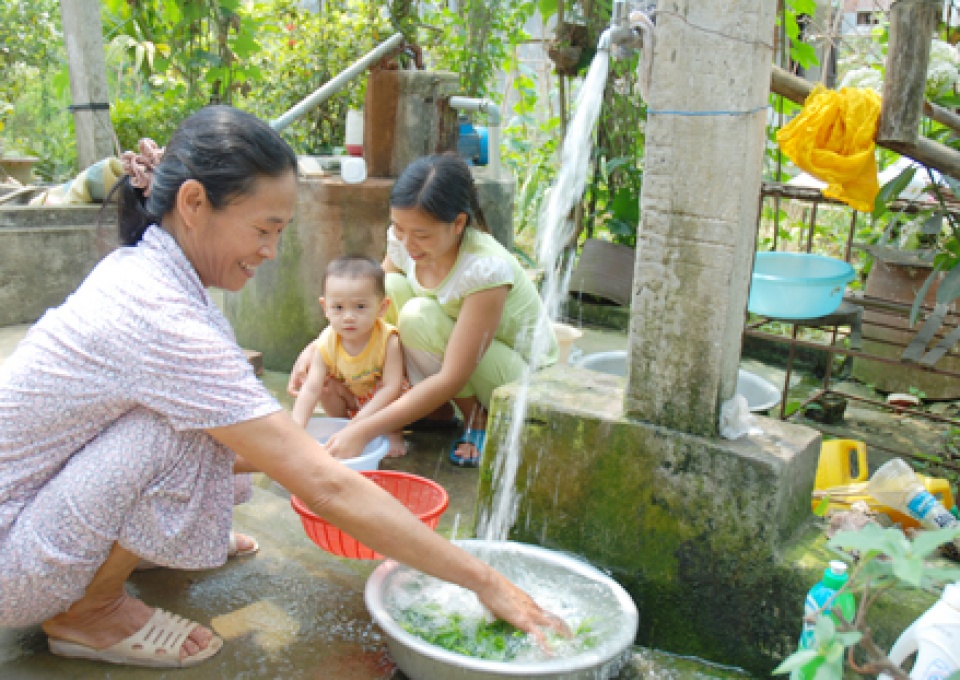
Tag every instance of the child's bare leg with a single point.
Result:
(333, 400)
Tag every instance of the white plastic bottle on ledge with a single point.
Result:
(896, 484)
(935, 637)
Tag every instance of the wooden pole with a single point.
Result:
(912, 23)
(925, 151)
(83, 35)
(941, 115)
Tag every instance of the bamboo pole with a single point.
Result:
(925, 151)
(941, 115)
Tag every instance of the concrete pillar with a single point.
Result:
(83, 35)
(699, 207)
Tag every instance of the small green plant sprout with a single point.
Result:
(918, 393)
(881, 559)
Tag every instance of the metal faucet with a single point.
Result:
(621, 38)
(629, 32)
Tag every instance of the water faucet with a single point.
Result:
(621, 38)
(629, 32)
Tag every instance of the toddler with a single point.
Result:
(361, 363)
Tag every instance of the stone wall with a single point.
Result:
(45, 253)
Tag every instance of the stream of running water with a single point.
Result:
(553, 233)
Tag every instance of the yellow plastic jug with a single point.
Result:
(842, 461)
(842, 474)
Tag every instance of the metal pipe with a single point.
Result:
(338, 82)
(492, 112)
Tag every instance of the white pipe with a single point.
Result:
(493, 125)
(338, 82)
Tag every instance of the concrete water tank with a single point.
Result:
(406, 115)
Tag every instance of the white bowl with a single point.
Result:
(760, 394)
(322, 428)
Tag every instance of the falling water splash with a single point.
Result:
(554, 231)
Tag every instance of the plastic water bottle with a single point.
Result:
(823, 598)
(935, 637)
(896, 484)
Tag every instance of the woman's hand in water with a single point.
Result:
(347, 443)
(506, 601)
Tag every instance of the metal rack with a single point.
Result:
(845, 329)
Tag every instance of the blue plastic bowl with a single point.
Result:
(797, 285)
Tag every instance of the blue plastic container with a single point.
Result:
(797, 285)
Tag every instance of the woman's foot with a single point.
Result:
(242, 545)
(469, 446)
(467, 450)
(103, 624)
(398, 445)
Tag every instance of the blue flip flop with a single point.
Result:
(476, 437)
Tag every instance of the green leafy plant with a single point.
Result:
(882, 559)
(205, 46)
(491, 640)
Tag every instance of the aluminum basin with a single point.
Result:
(420, 660)
(760, 394)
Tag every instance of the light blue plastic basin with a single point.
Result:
(797, 285)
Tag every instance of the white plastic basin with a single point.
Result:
(760, 394)
(322, 428)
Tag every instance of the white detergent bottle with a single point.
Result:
(935, 637)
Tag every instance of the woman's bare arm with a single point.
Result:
(284, 451)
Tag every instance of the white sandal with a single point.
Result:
(156, 645)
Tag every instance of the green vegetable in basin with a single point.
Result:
(496, 641)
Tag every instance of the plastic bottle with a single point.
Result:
(896, 484)
(935, 637)
(824, 592)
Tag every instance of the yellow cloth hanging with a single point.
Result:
(833, 140)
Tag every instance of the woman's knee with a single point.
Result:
(423, 325)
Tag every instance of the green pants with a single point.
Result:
(425, 331)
